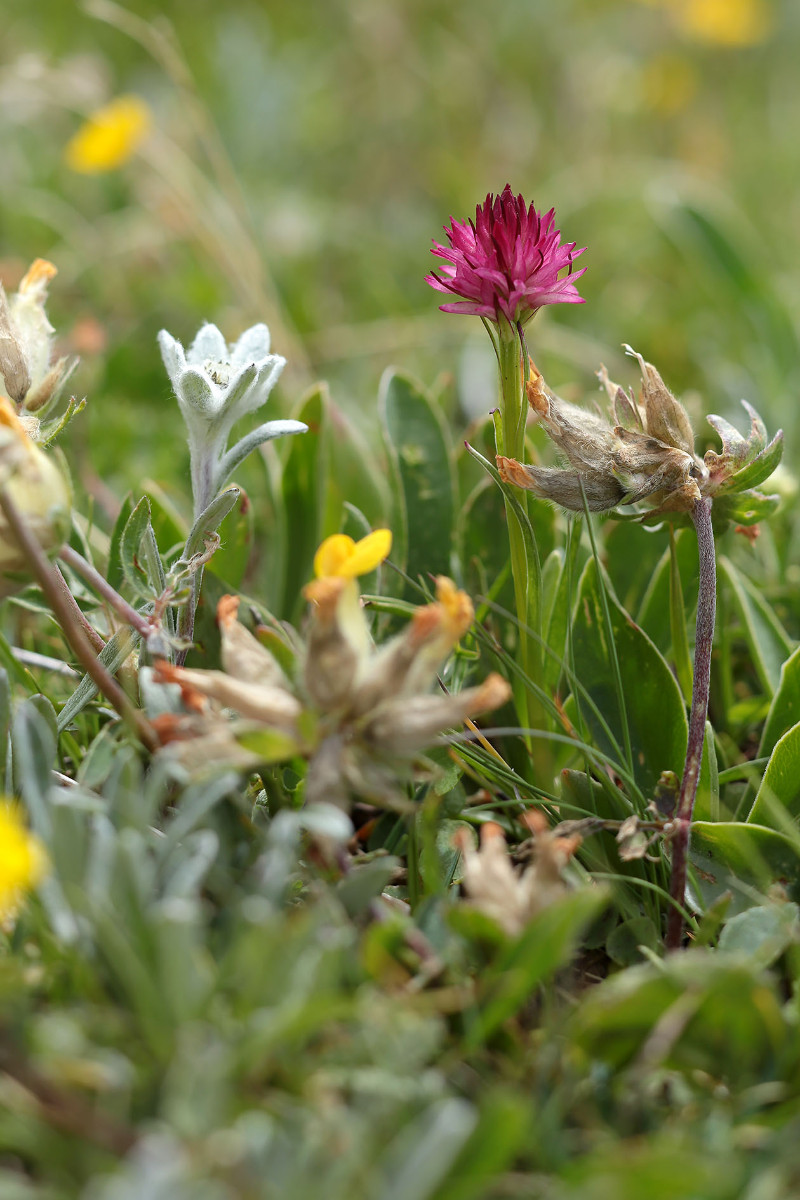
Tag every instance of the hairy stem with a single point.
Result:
(92, 576)
(706, 611)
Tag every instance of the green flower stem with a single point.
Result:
(706, 611)
(511, 442)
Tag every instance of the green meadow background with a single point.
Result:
(306, 154)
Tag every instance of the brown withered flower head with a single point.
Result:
(644, 454)
(361, 715)
(509, 897)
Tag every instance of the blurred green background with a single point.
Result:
(304, 155)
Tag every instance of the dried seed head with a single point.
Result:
(647, 454)
(666, 417)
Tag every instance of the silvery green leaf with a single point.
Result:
(210, 520)
(264, 433)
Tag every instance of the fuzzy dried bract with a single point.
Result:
(360, 714)
(643, 454)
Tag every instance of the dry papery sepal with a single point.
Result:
(641, 455)
(361, 714)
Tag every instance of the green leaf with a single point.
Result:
(418, 445)
(741, 858)
(722, 1010)
(558, 597)
(420, 1156)
(547, 943)
(303, 488)
(768, 641)
(364, 884)
(139, 557)
(482, 545)
(778, 797)
(112, 656)
(744, 508)
(784, 712)
(33, 739)
(623, 945)
(15, 669)
(491, 1149)
(758, 469)
(5, 724)
(115, 573)
(210, 520)
(655, 613)
(236, 532)
(677, 623)
(762, 933)
(655, 709)
(355, 477)
(514, 510)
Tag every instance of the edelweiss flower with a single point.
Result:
(509, 897)
(22, 859)
(360, 715)
(507, 262)
(26, 343)
(645, 454)
(215, 386)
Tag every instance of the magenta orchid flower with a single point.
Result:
(507, 262)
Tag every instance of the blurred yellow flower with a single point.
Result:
(110, 136)
(22, 859)
(725, 22)
(721, 22)
(339, 557)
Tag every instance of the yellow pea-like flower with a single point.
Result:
(342, 558)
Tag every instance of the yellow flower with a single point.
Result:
(22, 859)
(725, 22)
(721, 22)
(110, 137)
(339, 557)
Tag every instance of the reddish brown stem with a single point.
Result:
(63, 606)
(706, 611)
(103, 588)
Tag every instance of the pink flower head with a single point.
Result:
(507, 261)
